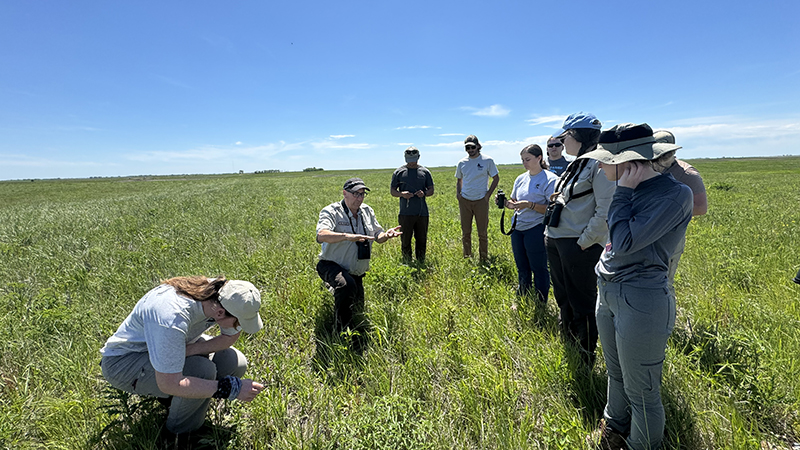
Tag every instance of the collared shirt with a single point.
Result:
(339, 219)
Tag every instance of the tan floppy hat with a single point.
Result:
(628, 142)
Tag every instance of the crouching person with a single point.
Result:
(160, 349)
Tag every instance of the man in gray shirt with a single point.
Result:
(413, 183)
(346, 230)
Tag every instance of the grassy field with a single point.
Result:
(448, 363)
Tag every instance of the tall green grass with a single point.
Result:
(447, 363)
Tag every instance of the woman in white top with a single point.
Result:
(529, 199)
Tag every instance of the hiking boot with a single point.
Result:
(606, 438)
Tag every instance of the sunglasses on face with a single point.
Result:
(358, 194)
(470, 147)
(556, 145)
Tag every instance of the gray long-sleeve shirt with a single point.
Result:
(645, 226)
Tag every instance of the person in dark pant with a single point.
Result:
(413, 183)
(346, 230)
(575, 239)
(529, 199)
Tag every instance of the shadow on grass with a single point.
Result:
(339, 353)
(139, 423)
(681, 430)
(588, 385)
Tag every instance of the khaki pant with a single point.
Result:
(479, 209)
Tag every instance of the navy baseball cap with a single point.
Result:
(579, 120)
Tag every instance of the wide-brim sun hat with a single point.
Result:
(242, 300)
(628, 142)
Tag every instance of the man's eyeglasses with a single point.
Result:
(358, 194)
(556, 145)
(470, 147)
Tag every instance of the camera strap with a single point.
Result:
(358, 214)
(502, 222)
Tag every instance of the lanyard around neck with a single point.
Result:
(347, 213)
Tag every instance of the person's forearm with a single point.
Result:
(429, 192)
(331, 237)
(178, 385)
(395, 192)
(215, 344)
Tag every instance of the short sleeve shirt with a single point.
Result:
(533, 188)
(412, 180)
(339, 219)
(688, 175)
(475, 174)
(161, 324)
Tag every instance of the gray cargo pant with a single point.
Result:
(634, 325)
(133, 373)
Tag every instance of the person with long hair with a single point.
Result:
(575, 242)
(529, 199)
(161, 350)
(647, 220)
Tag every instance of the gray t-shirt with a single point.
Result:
(474, 174)
(412, 180)
(161, 323)
(533, 188)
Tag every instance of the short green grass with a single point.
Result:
(447, 363)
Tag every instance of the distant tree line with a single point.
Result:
(312, 169)
(268, 171)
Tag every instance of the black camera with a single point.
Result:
(553, 214)
(500, 200)
(364, 249)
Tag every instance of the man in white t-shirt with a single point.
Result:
(473, 196)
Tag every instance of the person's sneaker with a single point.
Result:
(606, 438)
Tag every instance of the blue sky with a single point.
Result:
(112, 88)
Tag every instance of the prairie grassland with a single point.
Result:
(447, 363)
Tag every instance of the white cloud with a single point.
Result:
(342, 136)
(491, 111)
(238, 142)
(416, 127)
(557, 121)
(451, 134)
